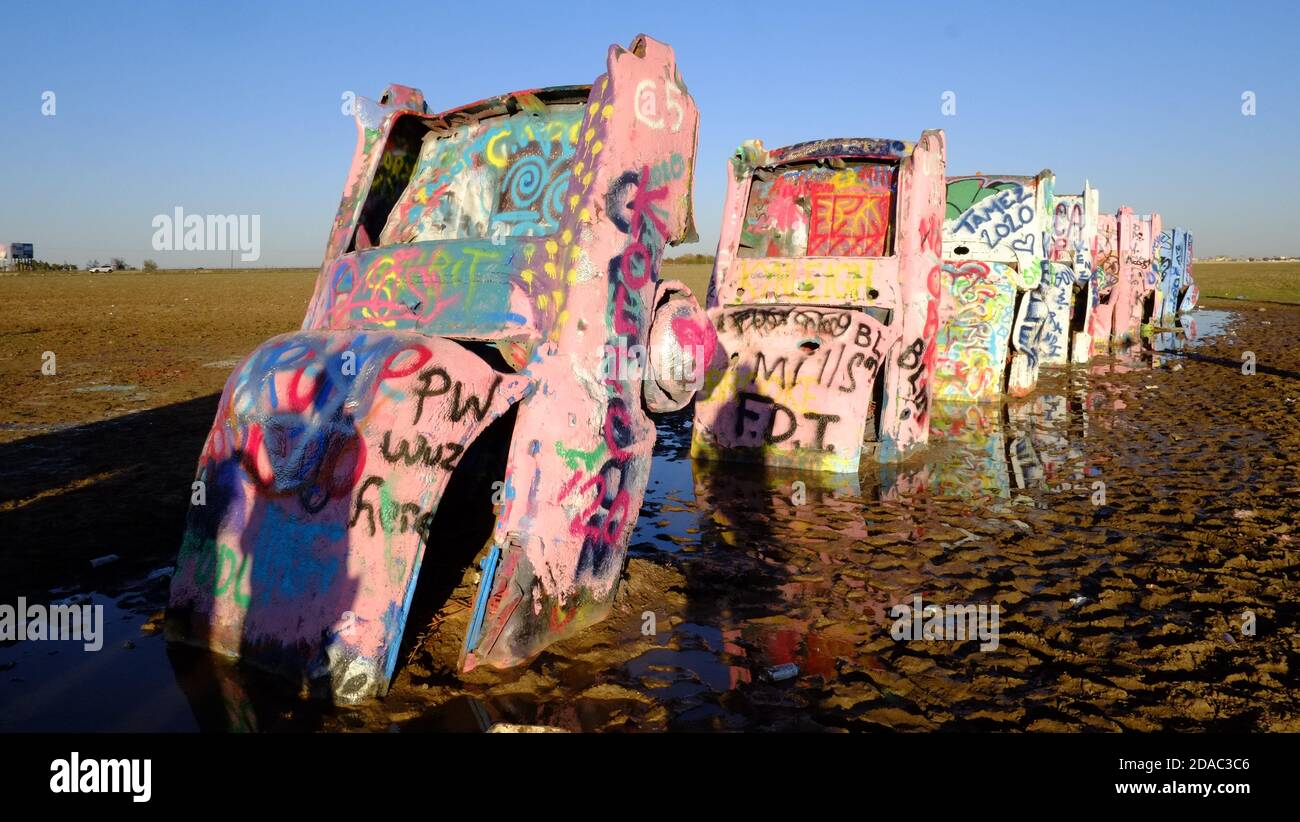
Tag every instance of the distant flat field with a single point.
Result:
(695, 275)
(133, 339)
(1276, 282)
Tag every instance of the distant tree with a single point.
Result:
(150, 265)
(119, 264)
(44, 265)
(94, 263)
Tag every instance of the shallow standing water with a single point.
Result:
(1125, 519)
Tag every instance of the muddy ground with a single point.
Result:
(1128, 612)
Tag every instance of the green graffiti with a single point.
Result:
(203, 553)
(387, 511)
(216, 567)
(573, 456)
(231, 578)
(962, 194)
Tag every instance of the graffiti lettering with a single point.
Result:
(461, 404)
(422, 452)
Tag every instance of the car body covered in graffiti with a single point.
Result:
(994, 305)
(1137, 274)
(1105, 282)
(1176, 291)
(470, 379)
(824, 301)
(1071, 292)
(1143, 278)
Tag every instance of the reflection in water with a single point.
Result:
(989, 450)
(767, 522)
(807, 566)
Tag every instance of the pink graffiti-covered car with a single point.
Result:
(824, 298)
(1126, 254)
(465, 385)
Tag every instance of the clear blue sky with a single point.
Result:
(235, 108)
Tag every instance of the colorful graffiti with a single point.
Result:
(821, 212)
(490, 179)
(1072, 243)
(1191, 294)
(798, 385)
(1136, 241)
(1026, 334)
(467, 288)
(814, 281)
(1001, 222)
(978, 300)
(1106, 257)
(909, 379)
(824, 299)
(1057, 291)
(998, 212)
(320, 471)
(1173, 270)
(519, 241)
(1067, 228)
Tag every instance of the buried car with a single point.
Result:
(994, 297)
(1105, 281)
(1176, 292)
(1137, 274)
(1071, 292)
(458, 388)
(824, 301)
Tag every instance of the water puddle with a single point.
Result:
(96, 389)
(1198, 328)
(126, 685)
(1205, 324)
